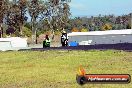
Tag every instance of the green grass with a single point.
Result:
(54, 69)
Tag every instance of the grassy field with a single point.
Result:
(54, 69)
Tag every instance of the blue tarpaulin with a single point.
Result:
(73, 44)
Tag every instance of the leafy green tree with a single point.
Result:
(16, 14)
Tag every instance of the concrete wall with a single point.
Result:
(13, 43)
(101, 39)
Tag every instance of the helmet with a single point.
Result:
(63, 31)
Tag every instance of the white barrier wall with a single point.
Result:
(12, 43)
(101, 39)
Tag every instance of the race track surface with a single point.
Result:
(121, 46)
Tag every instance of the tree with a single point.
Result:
(35, 7)
(15, 16)
(3, 8)
(1, 17)
(57, 14)
(22, 12)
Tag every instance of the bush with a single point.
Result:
(27, 32)
(75, 29)
(107, 26)
(84, 30)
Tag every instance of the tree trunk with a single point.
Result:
(21, 23)
(1, 30)
(21, 26)
(53, 34)
(33, 30)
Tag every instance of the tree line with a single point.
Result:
(100, 23)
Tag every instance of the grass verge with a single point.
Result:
(58, 69)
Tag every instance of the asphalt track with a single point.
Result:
(120, 46)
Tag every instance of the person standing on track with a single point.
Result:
(64, 39)
(46, 42)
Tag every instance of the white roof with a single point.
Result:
(108, 32)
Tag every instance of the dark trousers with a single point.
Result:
(65, 43)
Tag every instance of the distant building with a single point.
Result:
(101, 37)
